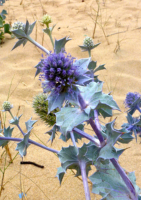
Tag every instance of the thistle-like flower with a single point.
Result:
(40, 105)
(133, 101)
(7, 106)
(17, 25)
(88, 42)
(59, 73)
(46, 19)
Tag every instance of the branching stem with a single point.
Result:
(31, 142)
(38, 45)
(89, 137)
(125, 179)
(82, 165)
(73, 138)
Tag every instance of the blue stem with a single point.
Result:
(31, 142)
(89, 137)
(73, 138)
(125, 179)
(82, 165)
(138, 108)
(38, 45)
(17, 124)
(114, 162)
(96, 130)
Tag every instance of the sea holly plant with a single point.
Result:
(73, 97)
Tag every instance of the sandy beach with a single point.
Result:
(118, 29)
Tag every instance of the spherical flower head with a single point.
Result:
(58, 72)
(88, 42)
(131, 98)
(7, 106)
(46, 19)
(40, 105)
(18, 25)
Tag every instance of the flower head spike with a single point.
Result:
(7, 106)
(133, 102)
(88, 44)
(60, 74)
(40, 105)
(18, 25)
(46, 19)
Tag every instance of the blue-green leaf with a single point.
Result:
(3, 13)
(53, 132)
(15, 121)
(19, 42)
(111, 188)
(29, 124)
(60, 44)
(92, 65)
(60, 174)
(7, 133)
(70, 158)
(65, 138)
(49, 30)
(39, 67)
(95, 99)
(55, 101)
(7, 28)
(83, 65)
(23, 145)
(70, 117)
(100, 67)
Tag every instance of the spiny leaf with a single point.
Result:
(70, 117)
(29, 124)
(60, 44)
(83, 65)
(7, 133)
(15, 121)
(100, 67)
(55, 101)
(76, 135)
(52, 132)
(95, 99)
(60, 174)
(70, 158)
(39, 67)
(23, 145)
(109, 188)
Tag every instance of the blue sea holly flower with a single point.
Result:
(60, 75)
(133, 125)
(133, 102)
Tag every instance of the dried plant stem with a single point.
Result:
(96, 20)
(2, 180)
(8, 152)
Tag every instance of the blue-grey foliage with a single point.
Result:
(108, 183)
(23, 35)
(7, 132)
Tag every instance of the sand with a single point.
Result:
(119, 31)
